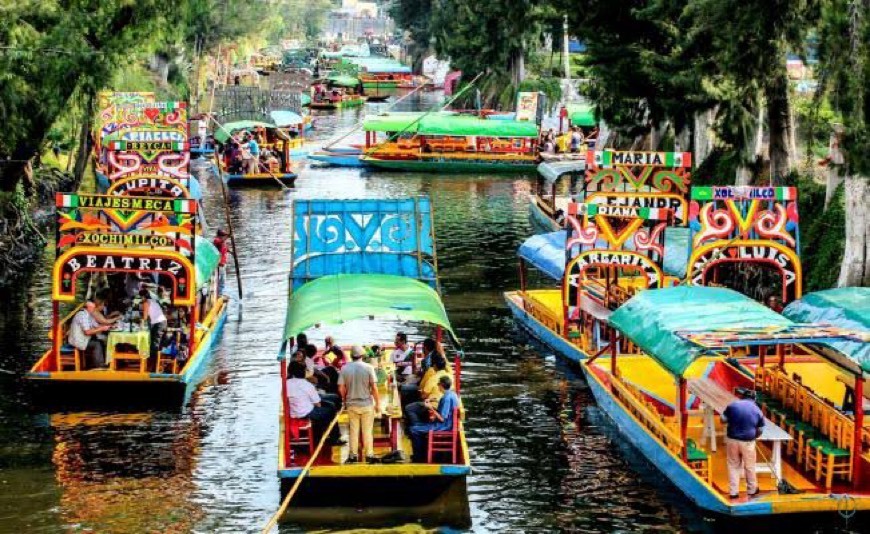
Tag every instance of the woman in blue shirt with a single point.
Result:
(442, 420)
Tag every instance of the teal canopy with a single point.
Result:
(207, 258)
(335, 299)
(582, 115)
(284, 117)
(222, 134)
(845, 307)
(652, 319)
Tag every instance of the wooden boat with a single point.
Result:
(442, 142)
(549, 201)
(616, 242)
(395, 278)
(673, 360)
(377, 99)
(337, 159)
(270, 137)
(341, 91)
(107, 241)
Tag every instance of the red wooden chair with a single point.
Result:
(445, 440)
(301, 433)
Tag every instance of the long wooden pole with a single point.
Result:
(290, 494)
(230, 228)
(360, 123)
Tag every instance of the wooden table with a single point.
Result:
(714, 399)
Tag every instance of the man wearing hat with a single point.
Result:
(221, 243)
(745, 423)
(358, 386)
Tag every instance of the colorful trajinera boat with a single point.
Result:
(615, 244)
(548, 202)
(369, 266)
(115, 253)
(440, 142)
(341, 91)
(275, 163)
(675, 356)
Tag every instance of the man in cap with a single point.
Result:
(745, 423)
(358, 386)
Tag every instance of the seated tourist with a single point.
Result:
(409, 391)
(101, 312)
(442, 419)
(338, 359)
(428, 392)
(82, 335)
(305, 403)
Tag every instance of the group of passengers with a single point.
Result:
(572, 141)
(122, 302)
(320, 383)
(247, 153)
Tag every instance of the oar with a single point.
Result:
(259, 163)
(272, 522)
(362, 122)
(230, 228)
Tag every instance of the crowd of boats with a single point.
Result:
(668, 296)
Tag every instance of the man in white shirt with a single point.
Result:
(82, 331)
(401, 357)
(305, 403)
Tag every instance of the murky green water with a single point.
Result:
(544, 458)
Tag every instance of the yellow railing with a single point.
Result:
(542, 313)
(644, 411)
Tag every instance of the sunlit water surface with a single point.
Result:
(544, 458)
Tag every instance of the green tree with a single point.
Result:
(54, 47)
(415, 17)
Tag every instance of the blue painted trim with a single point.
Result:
(455, 470)
(671, 466)
(338, 160)
(192, 376)
(290, 473)
(38, 374)
(553, 340)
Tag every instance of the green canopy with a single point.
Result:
(207, 258)
(338, 298)
(222, 134)
(343, 80)
(465, 125)
(582, 115)
(652, 318)
(392, 122)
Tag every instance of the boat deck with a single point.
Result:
(654, 387)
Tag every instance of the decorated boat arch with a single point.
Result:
(746, 238)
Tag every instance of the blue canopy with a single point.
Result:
(363, 237)
(546, 252)
(845, 307)
(283, 118)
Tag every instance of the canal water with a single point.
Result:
(544, 457)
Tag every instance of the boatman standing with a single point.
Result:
(221, 243)
(358, 386)
(745, 423)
